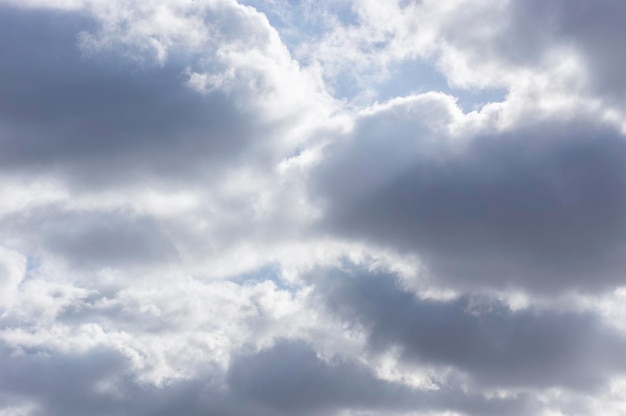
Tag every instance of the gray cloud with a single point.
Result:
(480, 336)
(109, 239)
(527, 34)
(105, 119)
(144, 204)
(541, 207)
(278, 381)
(91, 239)
(59, 382)
(594, 28)
(100, 382)
(289, 377)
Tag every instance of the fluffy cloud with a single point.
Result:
(322, 208)
(538, 206)
(289, 377)
(477, 335)
(276, 381)
(80, 109)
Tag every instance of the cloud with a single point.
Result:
(477, 335)
(97, 122)
(538, 206)
(97, 382)
(12, 271)
(118, 134)
(206, 207)
(532, 52)
(290, 377)
(64, 381)
(284, 378)
(535, 29)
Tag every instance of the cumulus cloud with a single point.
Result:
(279, 380)
(101, 121)
(289, 377)
(477, 335)
(539, 206)
(321, 208)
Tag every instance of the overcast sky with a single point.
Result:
(316, 208)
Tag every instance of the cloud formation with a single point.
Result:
(539, 207)
(479, 336)
(320, 208)
(101, 120)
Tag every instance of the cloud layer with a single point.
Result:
(316, 208)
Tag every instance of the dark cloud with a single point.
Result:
(282, 380)
(59, 382)
(290, 378)
(100, 381)
(542, 207)
(479, 336)
(109, 239)
(105, 118)
(85, 239)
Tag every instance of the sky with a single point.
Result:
(315, 208)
